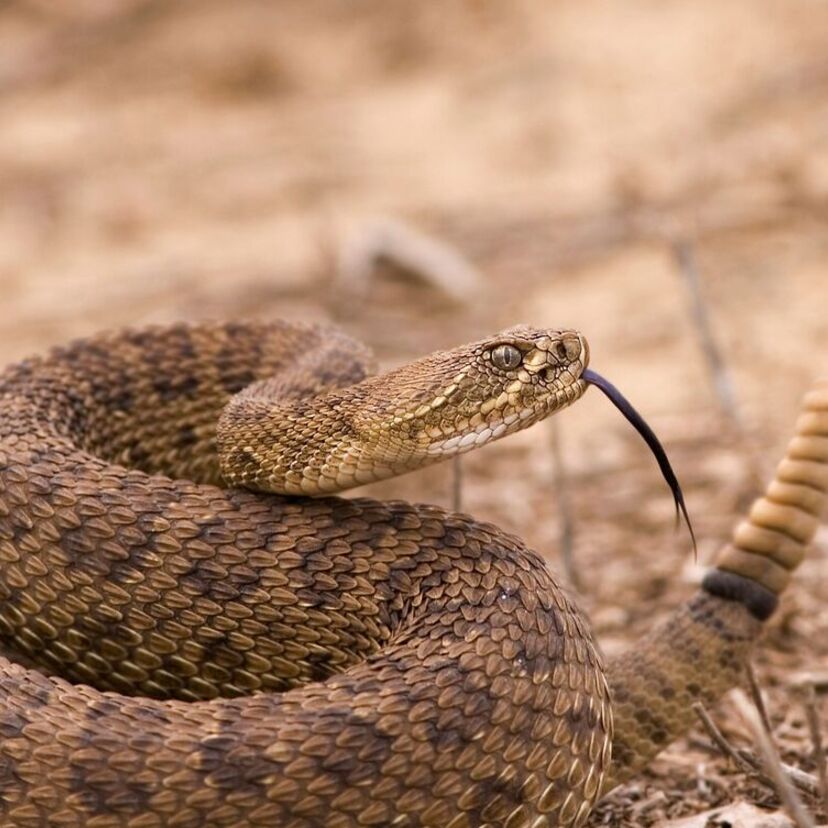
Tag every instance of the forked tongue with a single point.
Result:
(640, 425)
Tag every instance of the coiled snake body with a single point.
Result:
(418, 668)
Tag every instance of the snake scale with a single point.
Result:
(183, 653)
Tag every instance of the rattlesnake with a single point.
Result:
(418, 668)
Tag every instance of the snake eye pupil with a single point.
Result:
(560, 350)
(506, 357)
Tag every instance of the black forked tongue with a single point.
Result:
(640, 425)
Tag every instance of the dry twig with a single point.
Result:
(748, 762)
(756, 696)
(816, 740)
(773, 766)
(457, 483)
(720, 741)
(412, 252)
(561, 487)
(685, 257)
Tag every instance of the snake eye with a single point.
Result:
(506, 357)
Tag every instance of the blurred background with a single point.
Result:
(424, 174)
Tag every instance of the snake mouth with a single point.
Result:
(648, 435)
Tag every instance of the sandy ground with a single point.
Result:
(210, 160)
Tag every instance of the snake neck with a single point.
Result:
(277, 437)
(274, 438)
(285, 436)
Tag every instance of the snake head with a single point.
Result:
(453, 401)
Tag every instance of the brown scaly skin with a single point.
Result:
(433, 672)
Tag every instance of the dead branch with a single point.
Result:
(748, 762)
(816, 740)
(457, 483)
(772, 764)
(756, 696)
(409, 251)
(720, 741)
(560, 485)
(685, 257)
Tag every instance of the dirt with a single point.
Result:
(209, 160)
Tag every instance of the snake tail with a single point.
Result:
(767, 547)
(701, 650)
